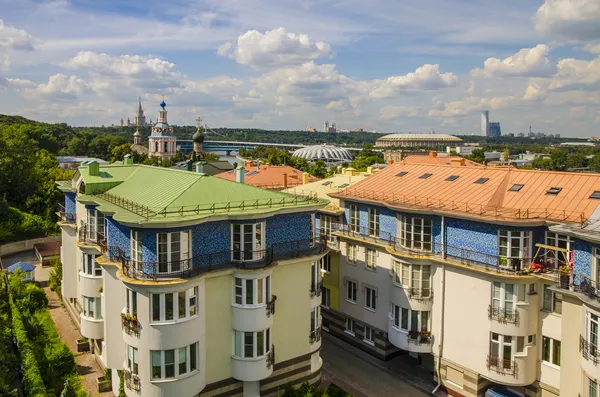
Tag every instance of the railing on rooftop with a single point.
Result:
(459, 206)
(66, 217)
(216, 261)
(211, 208)
(579, 283)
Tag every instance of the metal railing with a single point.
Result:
(315, 335)
(89, 236)
(503, 315)
(501, 366)
(579, 283)
(420, 294)
(66, 217)
(132, 381)
(271, 357)
(130, 324)
(316, 289)
(327, 235)
(419, 337)
(217, 261)
(588, 350)
(271, 306)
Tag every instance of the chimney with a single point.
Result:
(285, 179)
(433, 153)
(240, 172)
(305, 178)
(127, 159)
(200, 167)
(188, 165)
(369, 170)
(249, 164)
(94, 168)
(457, 162)
(390, 162)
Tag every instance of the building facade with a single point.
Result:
(488, 277)
(430, 140)
(494, 129)
(192, 285)
(139, 118)
(162, 142)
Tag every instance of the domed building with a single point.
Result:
(327, 153)
(198, 138)
(428, 140)
(162, 142)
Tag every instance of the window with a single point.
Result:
(551, 351)
(326, 263)
(95, 224)
(314, 319)
(522, 292)
(351, 291)
(520, 344)
(250, 292)
(251, 344)
(415, 232)
(416, 278)
(554, 190)
(501, 351)
(371, 258)
(402, 173)
(352, 253)
(132, 360)
(407, 319)
(552, 301)
(595, 195)
(92, 308)
(326, 227)
(515, 188)
(248, 241)
(131, 302)
(173, 250)
(350, 326)
(481, 181)
(425, 176)
(89, 265)
(531, 340)
(369, 337)
(592, 388)
(452, 178)
(326, 297)
(313, 230)
(514, 248)
(373, 222)
(173, 306)
(172, 363)
(315, 278)
(596, 268)
(343, 185)
(354, 218)
(136, 246)
(370, 298)
(560, 241)
(591, 332)
(503, 296)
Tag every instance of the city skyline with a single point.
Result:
(388, 66)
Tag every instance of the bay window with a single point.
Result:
(92, 308)
(251, 292)
(173, 249)
(132, 360)
(416, 278)
(501, 352)
(248, 241)
(373, 222)
(514, 248)
(251, 344)
(95, 224)
(354, 220)
(415, 233)
(414, 321)
(167, 364)
(89, 265)
(173, 306)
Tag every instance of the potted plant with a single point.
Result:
(105, 382)
(101, 289)
(83, 345)
(564, 273)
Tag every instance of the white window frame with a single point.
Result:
(592, 388)
(371, 258)
(131, 302)
(325, 298)
(500, 342)
(190, 296)
(405, 276)
(553, 239)
(370, 299)
(315, 319)
(95, 304)
(354, 218)
(325, 263)
(326, 224)
(174, 264)
(504, 296)
(351, 253)
(89, 266)
(132, 359)
(551, 342)
(350, 326)
(258, 244)
(176, 357)
(409, 231)
(592, 330)
(240, 337)
(136, 245)
(552, 299)
(95, 224)
(369, 337)
(374, 228)
(259, 298)
(351, 291)
(523, 250)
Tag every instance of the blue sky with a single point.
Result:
(385, 65)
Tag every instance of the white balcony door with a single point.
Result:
(248, 241)
(173, 250)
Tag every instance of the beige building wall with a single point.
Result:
(571, 376)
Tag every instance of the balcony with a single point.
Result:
(271, 357)
(66, 217)
(503, 315)
(316, 289)
(271, 306)
(580, 284)
(588, 350)
(420, 294)
(330, 239)
(89, 236)
(132, 381)
(419, 337)
(501, 366)
(217, 261)
(315, 335)
(130, 324)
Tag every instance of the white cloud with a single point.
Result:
(394, 112)
(15, 39)
(527, 62)
(59, 86)
(424, 78)
(573, 19)
(592, 48)
(274, 48)
(534, 92)
(576, 74)
(21, 83)
(471, 105)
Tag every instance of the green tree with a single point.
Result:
(559, 158)
(576, 160)
(478, 156)
(595, 163)
(542, 164)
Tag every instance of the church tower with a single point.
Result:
(162, 142)
(140, 118)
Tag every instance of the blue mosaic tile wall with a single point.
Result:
(583, 258)
(70, 202)
(117, 235)
(288, 227)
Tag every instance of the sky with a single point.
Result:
(381, 65)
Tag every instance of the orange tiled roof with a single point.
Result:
(492, 199)
(269, 176)
(438, 160)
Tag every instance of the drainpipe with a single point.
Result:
(441, 344)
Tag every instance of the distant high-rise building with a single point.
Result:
(494, 129)
(521, 135)
(485, 123)
(326, 126)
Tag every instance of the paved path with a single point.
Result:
(361, 374)
(87, 367)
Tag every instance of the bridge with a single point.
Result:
(187, 146)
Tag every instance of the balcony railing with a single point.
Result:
(217, 261)
(271, 357)
(420, 294)
(501, 366)
(66, 217)
(328, 237)
(315, 335)
(130, 324)
(316, 289)
(503, 315)
(88, 235)
(588, 350)
(132, 381)
(579, 283)
(419, 337)
(271, 306)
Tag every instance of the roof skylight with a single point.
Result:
(452, 178)
(516, 187)
(554, 190)
(595, 195)
(344, 185)
(481, 181)
(425, 176)
(402, 173)
(327, 183)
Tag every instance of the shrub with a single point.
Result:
(55, 278)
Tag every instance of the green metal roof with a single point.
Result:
(141, 194)
(65, 186)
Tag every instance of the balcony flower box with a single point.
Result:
(130, 323)
(83, 345)
(104, 384)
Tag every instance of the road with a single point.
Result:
(341, 366)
